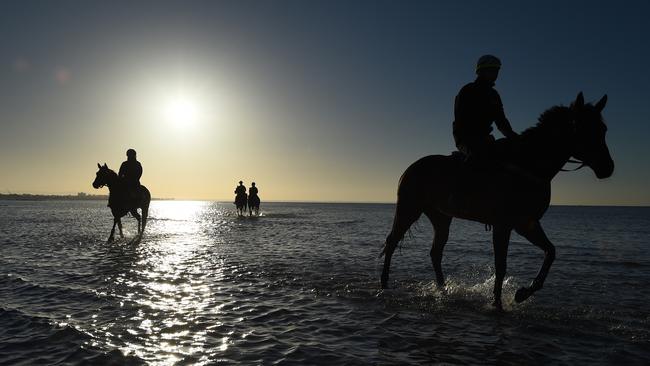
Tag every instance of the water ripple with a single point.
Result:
(299, 286)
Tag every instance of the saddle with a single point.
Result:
(128, 198)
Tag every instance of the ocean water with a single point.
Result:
(299, 286)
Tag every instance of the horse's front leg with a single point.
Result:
(500, 240)
(119, 226)
(534, 233)
(110, 238)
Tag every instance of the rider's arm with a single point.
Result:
(502, 122)
(122, 171)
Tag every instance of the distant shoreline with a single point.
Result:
(51, 197)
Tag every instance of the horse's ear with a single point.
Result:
(99, 166)
(601, 103)
(580, 101)
(105, 166)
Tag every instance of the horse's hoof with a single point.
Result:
(522, 294)
(110, 240)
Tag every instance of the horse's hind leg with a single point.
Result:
(535, 234)
(441, 225)
(405, 216)
(135, 214)
(145, 214)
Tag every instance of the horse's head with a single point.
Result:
(590, 145)
(103, 176)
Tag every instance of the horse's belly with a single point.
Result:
(501, 200)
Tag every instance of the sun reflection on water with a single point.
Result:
(168, 286)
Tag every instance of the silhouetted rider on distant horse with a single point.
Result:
(131, 172)
(241, 198)
(125, 192)
(253, 201)
(476, 107)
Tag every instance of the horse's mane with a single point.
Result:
(553, 119)
(111, 171)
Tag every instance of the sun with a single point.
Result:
(181, 111)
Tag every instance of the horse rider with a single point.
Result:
(130, 172)
(252, 191)
(241, 188)
(476, 107)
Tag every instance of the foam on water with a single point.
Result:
(299, 285)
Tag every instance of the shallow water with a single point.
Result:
(299, 285)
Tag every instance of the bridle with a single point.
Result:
(574, 161)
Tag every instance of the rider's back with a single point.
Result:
(131, 171)
(476, 106)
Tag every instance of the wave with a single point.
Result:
(33, 339)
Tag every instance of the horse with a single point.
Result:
(119, 200)
(240, 202)
(514, 194)
(253, 204)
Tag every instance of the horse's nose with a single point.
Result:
(606, 170)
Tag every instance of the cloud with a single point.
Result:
(62, 75)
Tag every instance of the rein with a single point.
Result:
(582, 165)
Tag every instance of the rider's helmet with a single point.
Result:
(488, 61)
(130, 153)
(240, 182)
(253, 184)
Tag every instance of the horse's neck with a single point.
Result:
(112, 182)
(547, 150)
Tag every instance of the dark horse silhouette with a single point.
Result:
(240, 202)
(253, 204)
(513, 194)
(120, 201)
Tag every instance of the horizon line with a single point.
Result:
(222, 200)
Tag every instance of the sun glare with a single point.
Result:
(181, 111)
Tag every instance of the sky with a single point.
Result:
(312, 100)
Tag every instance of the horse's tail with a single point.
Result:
(408, 209)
